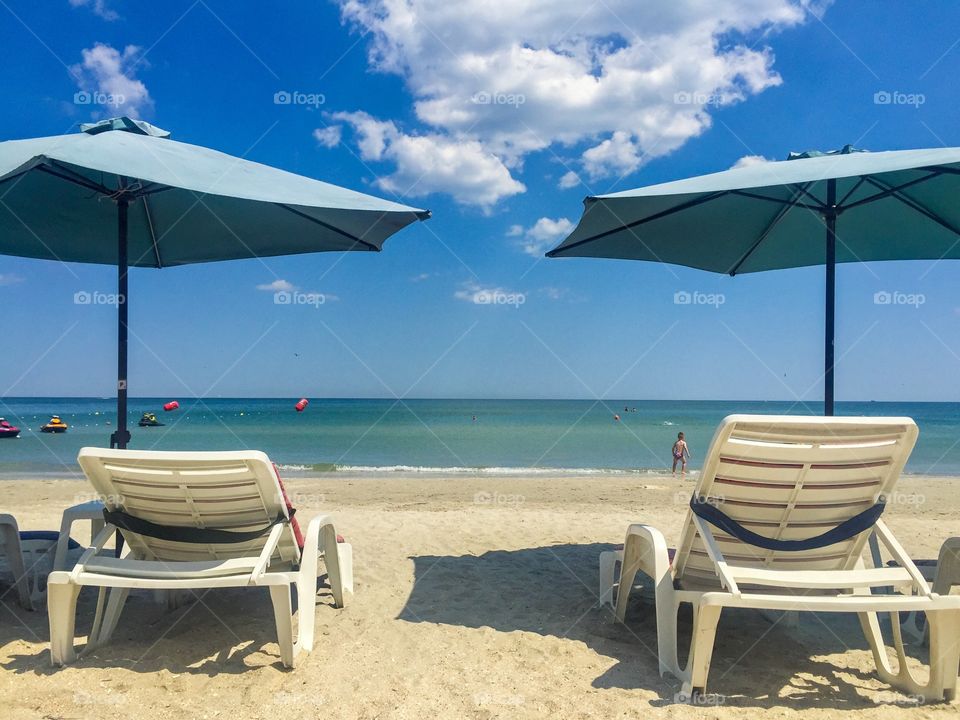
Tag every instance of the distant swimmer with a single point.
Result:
(474, 418)
(617, 418)
(681, 454)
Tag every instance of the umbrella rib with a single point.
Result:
(641, 221)
(791, 203)
(153, 233)
(851, 191)
(335, 229)
(75, 178)
(914, 205)
(890, 189)
(801, 190)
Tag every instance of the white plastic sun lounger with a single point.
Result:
(790, 479)
(197, 520)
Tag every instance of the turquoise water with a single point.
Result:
(508, 436)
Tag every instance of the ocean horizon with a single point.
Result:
(433, 436)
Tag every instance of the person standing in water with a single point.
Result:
(681, 454)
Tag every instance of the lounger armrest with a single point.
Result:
(901, 557)
(96, 545)
(712, 547)
(644, 550)
(269, 547)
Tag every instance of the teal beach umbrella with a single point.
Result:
(122, 193)
(812, 209)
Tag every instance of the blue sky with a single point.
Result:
(500, 118)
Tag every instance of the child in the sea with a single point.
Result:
(681, 453)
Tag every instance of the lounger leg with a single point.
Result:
(62, 615)
(283, 616)
(115, 603)
(705, 620)
(608, 564)
(10, 538)
(944, 653)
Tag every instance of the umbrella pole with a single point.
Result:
(831, 283)
(121, 437)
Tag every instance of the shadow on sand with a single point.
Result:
(552, 590)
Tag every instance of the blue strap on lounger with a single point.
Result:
(865, 520)
(180, 533)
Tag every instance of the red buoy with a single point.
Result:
(302, 405)
(172, 405)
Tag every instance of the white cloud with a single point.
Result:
(614, 83)
(553, 293)
(749, 160)
(278, 285)
(569, 180)
(542, 235)
(107, 71)
(431, 163)
(328, 136)
(420, 278)
(98, 7)
(10, 279)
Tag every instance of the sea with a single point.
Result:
(432, 437)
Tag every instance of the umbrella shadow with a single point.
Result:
(758, 661)
(213, 632)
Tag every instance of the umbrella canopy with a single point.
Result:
(122, 193)
(815, 208)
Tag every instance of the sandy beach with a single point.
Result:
(475, 597)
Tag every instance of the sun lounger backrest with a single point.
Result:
(236, 491)
(792, 478)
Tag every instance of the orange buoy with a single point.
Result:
(302, 405)
(172, 405)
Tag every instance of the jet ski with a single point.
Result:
(7, 430)
(56, 425)
(149, 420)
